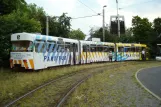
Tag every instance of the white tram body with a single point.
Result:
(35, 51)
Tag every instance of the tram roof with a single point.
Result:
(97, 43)
(131, 44)
(32, 37)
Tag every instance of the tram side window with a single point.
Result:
(133, 49)
(111, 49)
(106, 49)
(40, 47)
(138, 49)
(76, 47)
(127, 49)
(158, 50)
(88, 48)
(121, 49)
(93, 48)
(71, 48)
(60, 47)
(51, 46)
(68, 47)
(99, 48)
(84, 48)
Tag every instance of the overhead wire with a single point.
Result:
(88, 7)
(86, 16)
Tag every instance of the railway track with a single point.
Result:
(72, 81)
(67, 93)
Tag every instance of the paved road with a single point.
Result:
(151, 79)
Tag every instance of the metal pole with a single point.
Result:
(47, 25)
(118, 20)
(103, 25)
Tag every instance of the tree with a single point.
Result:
(77, 34)
(157, 29)
(8, 6)
(15, 23)
(38, 14)
(64, 27)
(145, 33)
(54, 26)
(98, 33)
(58, 26)
(142, 30)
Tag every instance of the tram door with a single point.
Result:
(74, 54)
(85, 53)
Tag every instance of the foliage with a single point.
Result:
(38, 14)
(142, 30)
(98, 33)
(14, 23)
(17, 16)
(77, 34)
(8, 6)
(64, 25)
(58, 26)
(147, 32)
(157, 29)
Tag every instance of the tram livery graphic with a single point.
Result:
(35, 51)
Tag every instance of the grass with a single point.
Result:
(14, 84)
(114, 88)
(51, 94)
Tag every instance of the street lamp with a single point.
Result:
(103, 24)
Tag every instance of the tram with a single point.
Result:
(35, 51)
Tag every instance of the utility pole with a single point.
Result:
(103, 26)
(118, 20)
(47, 25)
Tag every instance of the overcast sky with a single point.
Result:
(144, 8)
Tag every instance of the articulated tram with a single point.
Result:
(35, 51)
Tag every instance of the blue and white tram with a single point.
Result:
(35, 51)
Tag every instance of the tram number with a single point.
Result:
(18, 37)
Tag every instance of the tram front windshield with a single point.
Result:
(22, 46)
(158, 50)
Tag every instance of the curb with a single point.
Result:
(156, 96)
